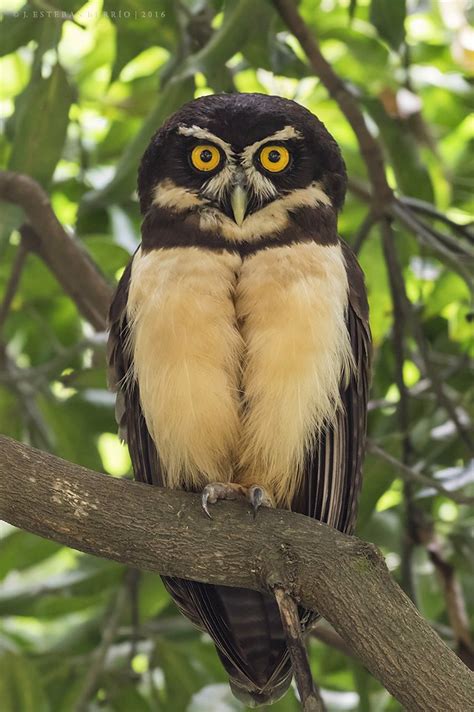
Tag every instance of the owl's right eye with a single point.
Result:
(205, 157)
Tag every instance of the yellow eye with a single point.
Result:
(205, 157)
(274, 158)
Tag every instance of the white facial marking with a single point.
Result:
(174, 197)
(283, 135)
(269, 220)
(205, 135)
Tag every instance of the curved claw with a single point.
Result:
(215, 491)
(258, 497)
(205, 497)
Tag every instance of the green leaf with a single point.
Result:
(41, 126)
(182, 677)
(134, 37)
(20, 685)
(231, 36)
(124, 698)
(20, 550)
(388, 17)
(16, 30)
(90, 579)
(10, 414)
(122, 184)
(377, 479)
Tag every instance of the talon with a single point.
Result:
(258, 497)
(220, 490)
(204, 500)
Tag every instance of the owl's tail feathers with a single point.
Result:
(258, 662)
(248, 634)
(254, 697)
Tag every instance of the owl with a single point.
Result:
(239, 343)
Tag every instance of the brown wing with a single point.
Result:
(332, 477)
(244, 625)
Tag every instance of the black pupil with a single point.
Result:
(274, 156)
(206, 155)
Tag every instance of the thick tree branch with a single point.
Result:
(64, 255)
(165, 531)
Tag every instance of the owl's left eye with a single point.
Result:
(205, 157)
(274, 158)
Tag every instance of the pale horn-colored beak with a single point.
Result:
(239, 202)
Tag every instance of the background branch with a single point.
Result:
(68, 261)
(369, 147)
(165, 531)
(13, 282)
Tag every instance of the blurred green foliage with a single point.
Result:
(83, 87)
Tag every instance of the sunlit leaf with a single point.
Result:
(40, 129)
(388, 16)
(20, 685)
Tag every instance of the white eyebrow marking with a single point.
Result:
(199, 132)
(282, 135)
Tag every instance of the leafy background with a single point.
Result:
(83, 86)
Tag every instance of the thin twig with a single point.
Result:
(13, 282)
(399, 326)
(98, 659)
(453, 595)
(37, 431)
(36, 375)
(437, 384)
(412, 318)
(310, 700)
(133, 583)
(450, 242)
(421, 206)
(399, 208)
(364, 231)
(408, 473)
(428, 238)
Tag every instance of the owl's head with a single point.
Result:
(235, 160)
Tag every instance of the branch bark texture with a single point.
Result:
(165, 531)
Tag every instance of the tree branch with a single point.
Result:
(409, 474)
(165, 531)
(310, 699)
(13, 281)
(109, 633)
(369, 147)
(66, 258)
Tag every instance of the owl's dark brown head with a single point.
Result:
(234, 154)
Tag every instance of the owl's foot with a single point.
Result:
(255, 494)
(215, 491)
(259, 497)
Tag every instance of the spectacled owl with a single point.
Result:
(239, 342)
